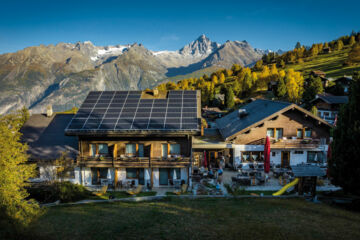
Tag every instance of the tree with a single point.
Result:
(15, 172)
(214, 79)
(282, 63)
(344, 164)
(352, 40)
(339, 45)
(229, 98)
(314, 110)
(222, 78)
(281, 88)
(258, 65)
(298, 45)
(314, 87)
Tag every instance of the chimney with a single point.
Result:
(242, 113)
(49, 111)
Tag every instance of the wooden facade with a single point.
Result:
(290, 122)
(151, 156)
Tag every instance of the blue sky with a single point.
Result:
(161, 25)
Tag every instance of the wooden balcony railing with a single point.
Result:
(138, 162)
(296, 143)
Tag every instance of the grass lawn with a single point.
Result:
(198, 219)
(331, 64)
(122, 194)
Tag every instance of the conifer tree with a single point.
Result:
(281, 88)
(229, 98)
(344, 164)
(352, 40)
(298, 45)
(15, 172)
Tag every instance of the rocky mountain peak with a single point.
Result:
(201, 46)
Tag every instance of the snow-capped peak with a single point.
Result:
(107, 51)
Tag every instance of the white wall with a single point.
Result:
(277, 158)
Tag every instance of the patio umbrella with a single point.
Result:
(174, 175)
(267, 155)
(205, 161)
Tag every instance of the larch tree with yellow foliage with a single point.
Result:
(15, 172)
(222, 78)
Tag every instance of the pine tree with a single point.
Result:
(15, 172)
(281, 88)
(314, 87)
(339, 45)
(352, 40)
(314, 110)
(229, 98)
(298, 45)
(344, 165)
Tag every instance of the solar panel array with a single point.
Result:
(126, 110)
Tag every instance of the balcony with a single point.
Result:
(134, 162)
(296, 143)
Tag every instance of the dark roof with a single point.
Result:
(46, 138)
(332, 99)
(256, 111)
(133, 112)
(308, 171)
(347, 79)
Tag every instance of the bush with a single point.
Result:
(235, 190)
(63, 191)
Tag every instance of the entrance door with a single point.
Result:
(285, 159)
(141, 176)
(164, 176)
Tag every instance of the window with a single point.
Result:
(175, 149)
(308, 132)
(103, 149)
(164, 150)
(92, 150)
(130, 150)
(270, 132)
(273, 154)
(299, 133)
(141, 150)
(131, 173)
(298, 152)
(279, 133)
(69, 174)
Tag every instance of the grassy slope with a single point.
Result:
(199, 219)
(331, 64)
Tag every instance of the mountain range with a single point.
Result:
(61, 75)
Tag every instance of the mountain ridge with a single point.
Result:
(62, 74)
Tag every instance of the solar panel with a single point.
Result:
(126, 110)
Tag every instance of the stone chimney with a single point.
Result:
(49, 111)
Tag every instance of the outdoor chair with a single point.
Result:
(102, 191)
(136, 191)
(183, 190)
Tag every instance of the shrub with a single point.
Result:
(235, 189)
(63, 191)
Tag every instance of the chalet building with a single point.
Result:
(297, 136)
(344, 82)
(44, 135)
(324, 80)
(328, 106)
(119, 138)
(136, 137)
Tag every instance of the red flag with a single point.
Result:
(267, 155)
